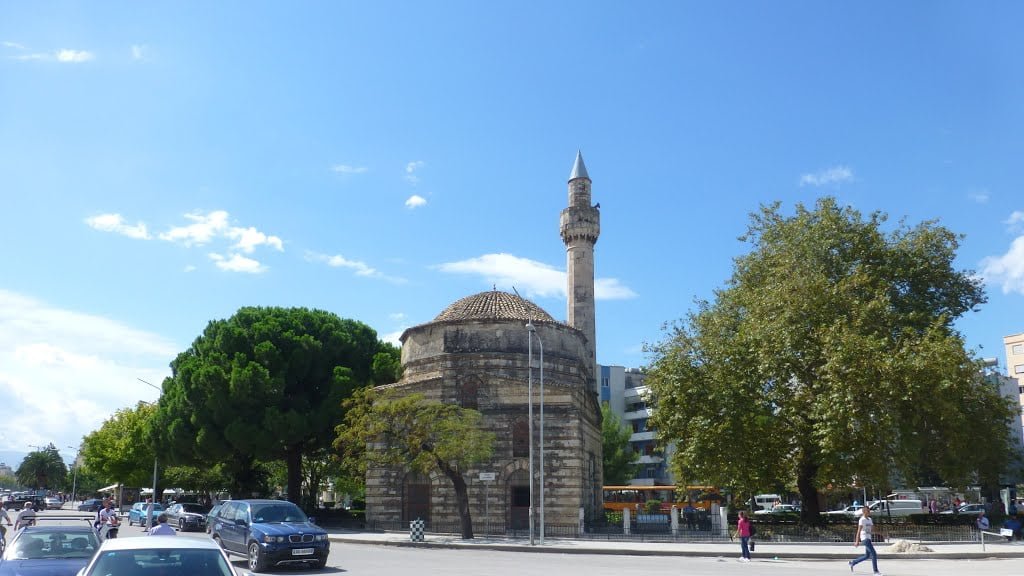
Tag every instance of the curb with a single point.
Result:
(776, 555)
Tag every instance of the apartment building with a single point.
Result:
(1015, 365)
(624, 391)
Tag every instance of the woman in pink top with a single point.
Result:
(743, 531)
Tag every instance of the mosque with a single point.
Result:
(475, 353)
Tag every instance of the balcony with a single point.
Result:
(649, 459)
(637, 414)
(642, 436)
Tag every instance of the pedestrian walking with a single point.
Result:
(743, 531)
(865, 526)
(162, 528)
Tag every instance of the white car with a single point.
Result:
(966, 509)
(850, 511)
(780, 509)
(158, 555)
(53, 503)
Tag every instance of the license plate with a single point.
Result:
(302, 551)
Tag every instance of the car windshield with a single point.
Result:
(36, 544)
(277, 512)
(161, 562)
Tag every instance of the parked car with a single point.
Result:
(849, 511)
(90, 505)
(269, 533)
(159, 555)
(53, 550)
(187, 516)
(780, 509)
(966, 509)
(53, 503)
(211, 515)
(137, 513)
(893, 508)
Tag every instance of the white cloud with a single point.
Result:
(415, 201)
(115, 223)
(87, 363)
(393, 337)
(347, 169)
(397, 316)
(411, 168)
(74, 56)
(249, 238)
(979, 196)
(190, 268)
(1006, 270)
(139, 51)
(15, 45)
(534, 278)
(1014, 222)
(358, 267)
(237, 263)
(830, 176)
(203, 229)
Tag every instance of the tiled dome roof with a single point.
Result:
(493, 305)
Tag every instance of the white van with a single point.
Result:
(766, 501)
(894, 508)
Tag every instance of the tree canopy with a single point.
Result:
(267, 383)
(121, 450)
(417, 434)
(42, 469)
(830, 358)
(618, 459)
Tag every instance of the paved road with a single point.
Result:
(375, 560)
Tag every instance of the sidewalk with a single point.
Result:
(824, 551)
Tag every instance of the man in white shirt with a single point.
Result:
(865, 526)
(162, 528)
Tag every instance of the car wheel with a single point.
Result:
(320, 562)
(181, 525)
(257, 563)
(130, 521)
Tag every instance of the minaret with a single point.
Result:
(580, 226)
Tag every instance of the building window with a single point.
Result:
(1018, 348)
(520, 438)
(1018, 369)
(469, 391)
(604, 382)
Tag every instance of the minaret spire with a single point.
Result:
(580, 227)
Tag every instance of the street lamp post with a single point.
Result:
(152, 499)
(530, 331)
(529, 413)
(74, 481)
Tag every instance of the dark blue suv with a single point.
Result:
(269, 533)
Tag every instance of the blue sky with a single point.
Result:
(163, 164)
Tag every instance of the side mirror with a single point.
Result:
(241, 522)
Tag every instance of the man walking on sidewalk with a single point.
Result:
(864, 528)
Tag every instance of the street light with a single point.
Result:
(152, 499)
(74, 467)
(530, 331)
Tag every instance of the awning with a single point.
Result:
(110, 488)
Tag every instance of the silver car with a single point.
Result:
(159, 556)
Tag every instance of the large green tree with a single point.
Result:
(619, 461)
(830, 357)
(42, 469)
(121, 449)
(266, 384)
(418, 434)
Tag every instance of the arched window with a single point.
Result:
(520, 438)
(469, 392)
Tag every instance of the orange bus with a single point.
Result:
(618, 497)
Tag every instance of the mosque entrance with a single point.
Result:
(519, 501)
(416, 498)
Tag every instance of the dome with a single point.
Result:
(493, 305)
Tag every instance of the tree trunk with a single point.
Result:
(461, 498)
(293, 459)
(807, 469)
